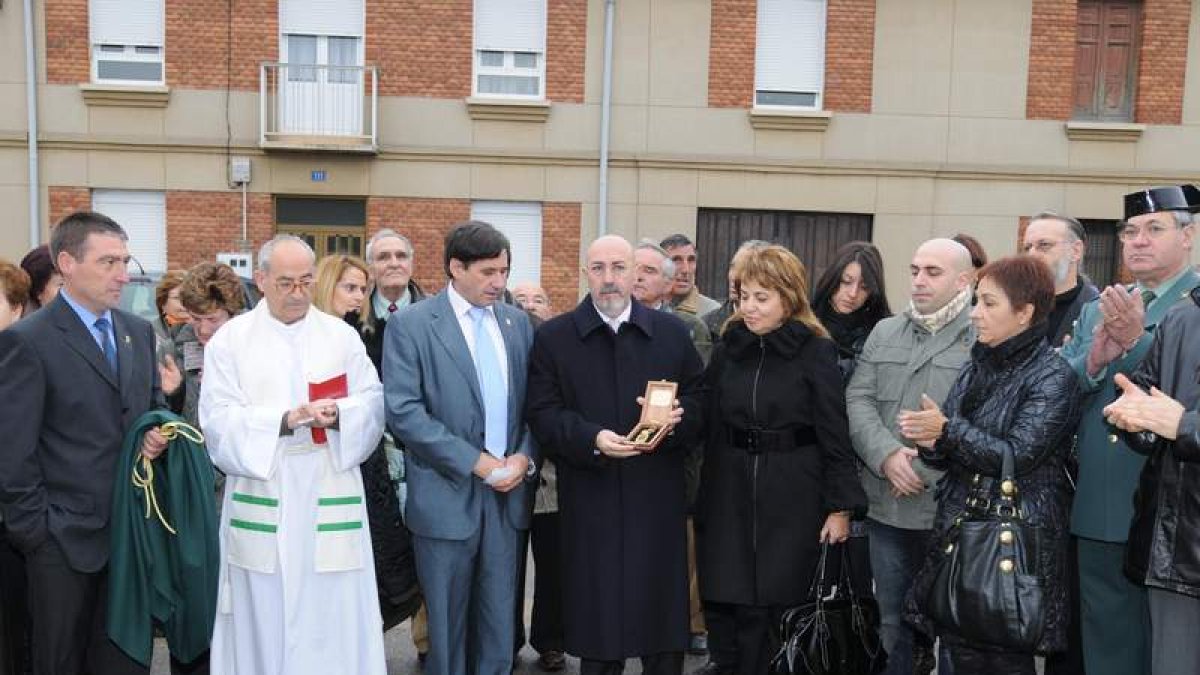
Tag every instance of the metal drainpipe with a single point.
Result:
(35, 228)
(605, 115)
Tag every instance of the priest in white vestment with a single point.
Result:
(290, 407)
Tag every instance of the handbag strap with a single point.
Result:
(816, 590)
(1006, 502)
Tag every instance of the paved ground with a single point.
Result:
(402, 656)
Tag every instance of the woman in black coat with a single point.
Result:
(1015, 392)
(779, 475)
(849, 299)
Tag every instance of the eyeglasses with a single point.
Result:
(286, 286)
(1130, 232)
(1043, 246)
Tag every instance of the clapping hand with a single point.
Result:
(1137, 410)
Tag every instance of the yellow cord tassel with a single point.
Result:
(145, 480)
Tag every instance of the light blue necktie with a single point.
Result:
(106, 343)
(491, 385)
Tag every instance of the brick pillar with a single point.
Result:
(425, 222)
(566, 45)
(560, 253)
(1051, 76)
(202, 224)
(1162, 61)
(68, 44)
(849, 55)
(67, 200)
(199, 49)
(422, 48)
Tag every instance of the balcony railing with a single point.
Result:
(318, 107)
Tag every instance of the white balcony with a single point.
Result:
(318, 107)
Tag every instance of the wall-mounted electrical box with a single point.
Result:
(239, 170)
(242, 263)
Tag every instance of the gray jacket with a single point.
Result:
(899, 362)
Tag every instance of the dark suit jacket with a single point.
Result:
(64, 418)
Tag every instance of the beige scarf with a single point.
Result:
(939, 319)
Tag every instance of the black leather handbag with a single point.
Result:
(835, 633)
(985, 586)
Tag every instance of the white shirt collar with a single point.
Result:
(458, 303)
(615, 324)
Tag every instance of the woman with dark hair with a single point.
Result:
(1015, 394)
(44, 279)
(172, 316)
(850, 299)
(779, 476)
(978, 255)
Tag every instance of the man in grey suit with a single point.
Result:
(454, 387)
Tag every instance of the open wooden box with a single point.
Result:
(654, 424)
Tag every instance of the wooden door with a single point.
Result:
(813, 236)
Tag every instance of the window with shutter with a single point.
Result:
(143, 215)
(789, 62)
(127, 41)
(1106, 48)
(521, 222)
(510, 48)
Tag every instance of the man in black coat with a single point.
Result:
(390, 255)
(73, 376)
(1060, 242)
(623, 511)
(1157, 412)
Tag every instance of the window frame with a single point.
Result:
(818, 95)
(509, 69)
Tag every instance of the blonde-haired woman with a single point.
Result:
(779, 475)
(341, 286)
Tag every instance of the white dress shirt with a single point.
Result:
(462, 312)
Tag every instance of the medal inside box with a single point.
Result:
(654, 424)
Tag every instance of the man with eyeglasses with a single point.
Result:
(1060, 241)
(290, 407)
(1113, 335)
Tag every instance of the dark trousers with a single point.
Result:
(546, 626)
(746, 636)
(1070, 662)
(69, 610)
(14, 611)
(969, 661)
(666, 663)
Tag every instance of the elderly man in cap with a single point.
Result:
(1113, 335)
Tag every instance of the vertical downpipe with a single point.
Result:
(605, 116)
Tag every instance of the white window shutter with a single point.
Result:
(510, 25)
(143, 215)
(126, 22)
(521, 222)
(790, 53)
(322, 17)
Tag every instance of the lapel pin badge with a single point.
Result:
(507, 321)
(127, 340)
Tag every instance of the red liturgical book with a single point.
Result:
(334, 387)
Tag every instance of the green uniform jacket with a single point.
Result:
(1108, 469)
(156, 576)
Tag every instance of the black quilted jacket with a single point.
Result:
(1022, 394)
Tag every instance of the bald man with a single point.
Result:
(916, 352)
(623, 522)
(533, 299)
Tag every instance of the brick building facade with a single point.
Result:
(915, 117)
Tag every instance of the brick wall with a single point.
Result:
(426, 221)
(731, 53)
(68, 55)
(197, 35)
(1162, 61)
(202, 224)
(67, 200)
(560, 253)
(849, 54)
(422, 49)
(566, 44)
(1051, 60)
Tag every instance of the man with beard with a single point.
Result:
(1060, 241)
(623, 513)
